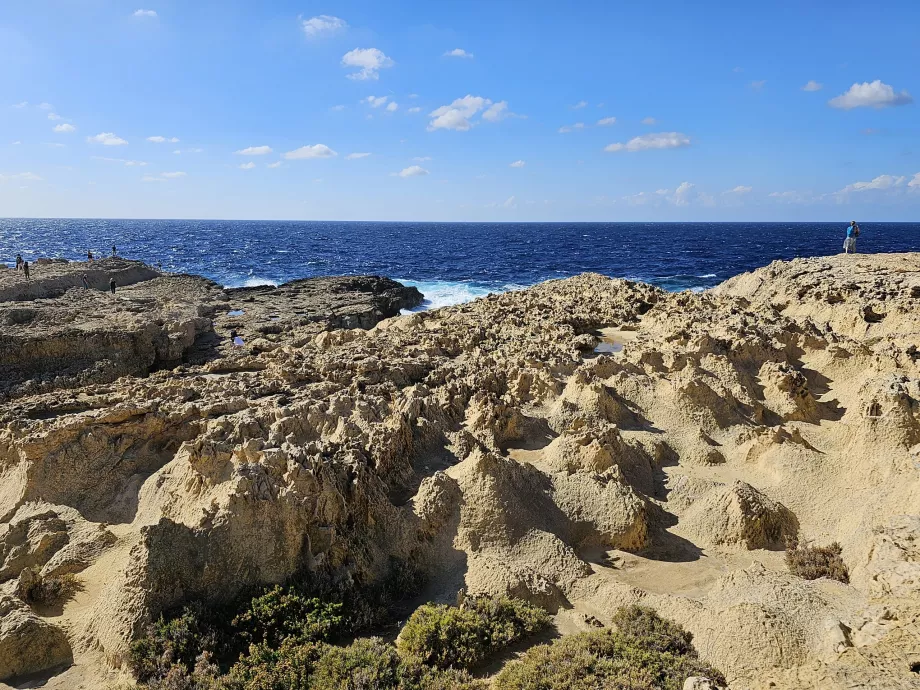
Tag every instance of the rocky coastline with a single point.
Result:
(583, 444)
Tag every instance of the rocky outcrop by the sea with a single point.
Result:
(487, 445)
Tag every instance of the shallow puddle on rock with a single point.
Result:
(236, 312)
(606, 348)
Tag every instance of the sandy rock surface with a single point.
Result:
(491, 447)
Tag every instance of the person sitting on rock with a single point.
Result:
(849, 244)
(112, 285)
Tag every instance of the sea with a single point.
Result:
(449, 262)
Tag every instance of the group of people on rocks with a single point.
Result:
(23, 265)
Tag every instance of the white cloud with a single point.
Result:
(607, 121)
(376, 101)
(323, 24)
(740, 189)
(414, 109)
(107, 139)
(580, 105)
(738, 70)
(881, 182)
(16, 143)
(254, 151)
(789, 197)
(498, 111)
(20, 177)
(412, 171)
(246, 166)
(369, 60)
(812, 85)
(649, 120)
(517, 164)
(392, 106)
(127, 163)
(21, 104)
(456, 116)
(458, 52)
(421, 159)
(173, 175)
(337, 108)
(510, 202)
(276, 164)
(53, 116)
(178, 151)
(145, 13)
(758, 85)
(682, 194)
(355, 156)
(645, 142)
(46, 106)
(64, 128)
(571, 128)
(870, 95)
(162, 140)
(314, 151)
(915, 182)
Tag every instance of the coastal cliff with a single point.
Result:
(583, 444)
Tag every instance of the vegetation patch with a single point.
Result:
(39, 590)
(646, 652)
(465, 636)
(813, 562)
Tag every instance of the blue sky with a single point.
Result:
(466, 111)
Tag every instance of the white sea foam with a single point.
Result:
(251, 281)
(443, 293)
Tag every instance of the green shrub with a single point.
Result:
(175, 641)
(281, 614)
(263, 668)
(813, 562)
(34, 588)
(601, 660)
(465, 636)
(653, 631)
(371, 664)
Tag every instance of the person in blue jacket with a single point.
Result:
(849, 244)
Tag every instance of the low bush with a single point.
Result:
(813, 562)
(176, 641)
(34, 588)
(646, 653)
(282, 614)
(465, 636)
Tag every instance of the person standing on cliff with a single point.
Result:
(89, 255)
(25, 268)
(112, 285)
(849, 244)
(85, 282)
(19, 262)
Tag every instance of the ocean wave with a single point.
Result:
(444, 293)
(251, 281)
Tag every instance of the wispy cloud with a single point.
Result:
(649, 121)
(882, 182)
(123, 161)
(458, 52)
(580, 105)
(412, 171)
(376, 101)
(148, 14)
(163, 177)
(53, 116)
(246, 166)
(173, 175)
(646, 142)
(414, 109)
(314, 151)
(458, 116)
(739, 190)
(323, 24)
(870, 95)
(276, 164)
(368, 61)
(759, 84)
(337, 108)
(571, 128)
(20, 105)
(163, 140)
(812, 85)
(356, 156)
(107, 139)
(45, 106)
(64, 128)
(254, 151)
(20, 177)
(421, 159)
(607, 121)
(517, 164)
(392, 107)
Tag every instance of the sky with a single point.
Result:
(472, 111)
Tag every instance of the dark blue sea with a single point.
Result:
(449, 262)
